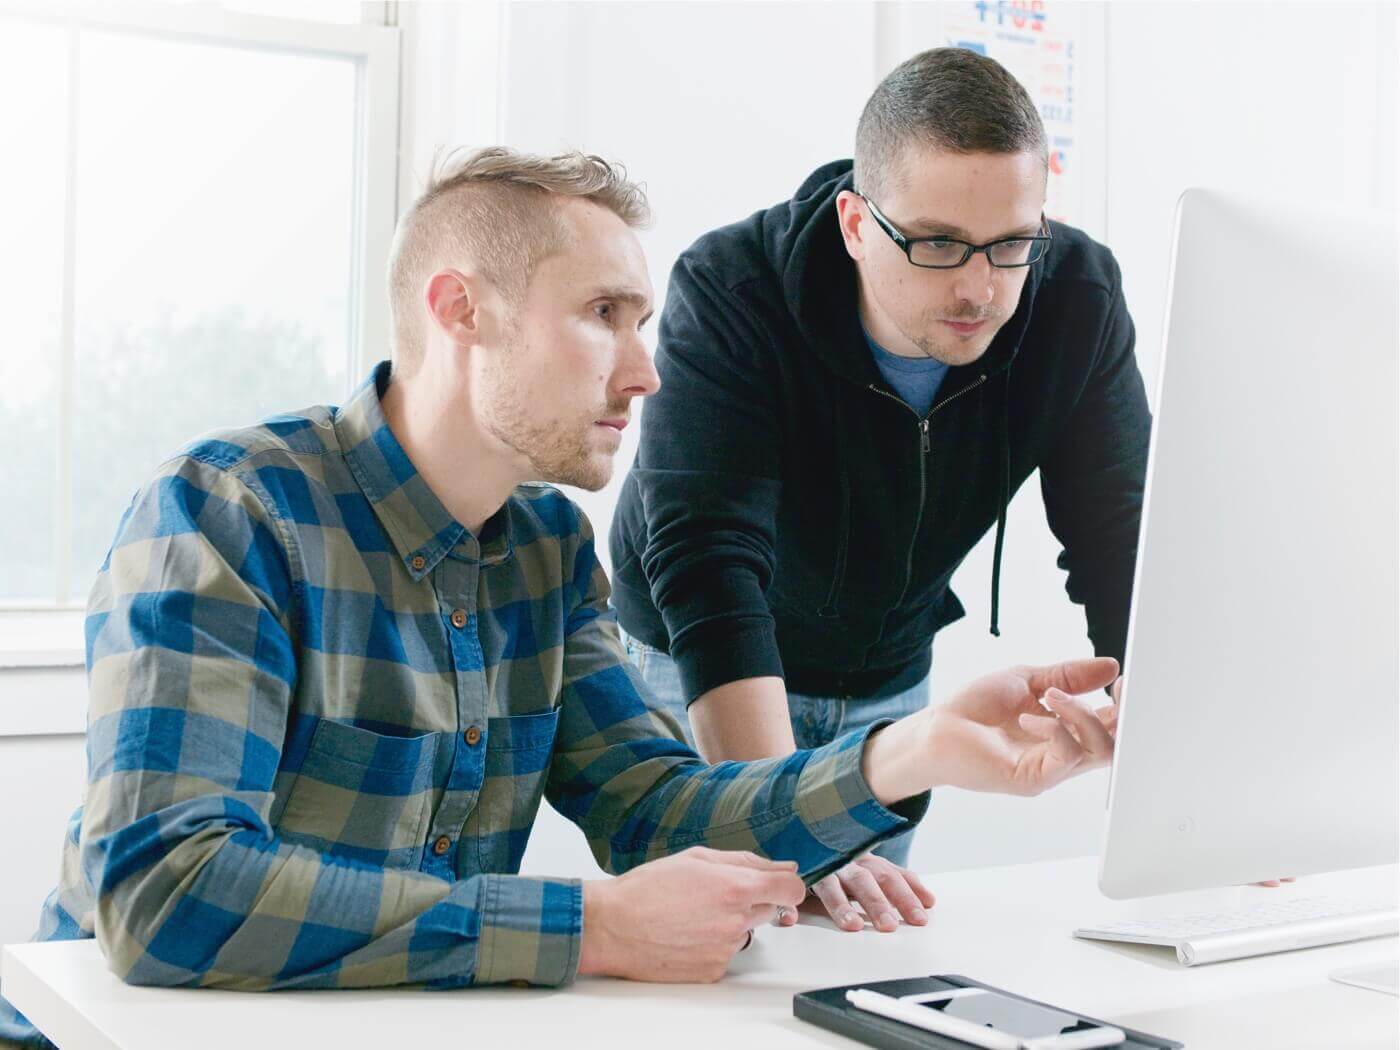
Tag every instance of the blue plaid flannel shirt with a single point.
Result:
(323, 714)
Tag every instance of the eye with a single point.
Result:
(605, 311)
(1012, 244)
(941, 245)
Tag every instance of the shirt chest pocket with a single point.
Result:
(362, 795)
(518, 751)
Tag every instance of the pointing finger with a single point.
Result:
(1082, 723)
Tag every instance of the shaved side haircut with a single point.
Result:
(495, 210)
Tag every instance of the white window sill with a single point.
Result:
(43, 701)
(43, 690)
(31, 638)
(27, 659)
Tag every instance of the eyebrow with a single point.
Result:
(934, 227)
(630, 296)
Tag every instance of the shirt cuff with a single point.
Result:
(531, 930)
(837, 807)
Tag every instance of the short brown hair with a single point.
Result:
(949, 98)
(494, 207)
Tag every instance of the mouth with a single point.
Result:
(614, 424)
(965, 327)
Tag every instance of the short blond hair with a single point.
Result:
(497, 209)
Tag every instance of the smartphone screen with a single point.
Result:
(1002, 1013)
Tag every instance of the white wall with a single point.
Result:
(1294, 101)
(41, 782)
(722, 109)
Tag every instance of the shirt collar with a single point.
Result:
(421, 528)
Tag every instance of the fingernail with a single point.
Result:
(889, 919)
(849, 917)
(920, 915)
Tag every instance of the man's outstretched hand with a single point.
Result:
(1026, 729)
(1017, 732)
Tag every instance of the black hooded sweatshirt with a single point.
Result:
(788, 514)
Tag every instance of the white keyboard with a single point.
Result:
(1303, 922)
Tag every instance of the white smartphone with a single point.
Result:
(989, 1019)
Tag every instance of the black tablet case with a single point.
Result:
(827, 1008)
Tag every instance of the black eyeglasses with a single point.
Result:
(948, 253)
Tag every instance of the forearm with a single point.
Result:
(742, 721)
(639, 793)
(239, 909)
(810, 807)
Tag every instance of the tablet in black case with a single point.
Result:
(827, 1008)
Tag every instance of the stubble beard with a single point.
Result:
(955, 352)
(557, 450)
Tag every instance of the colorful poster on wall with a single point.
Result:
(1041, 44)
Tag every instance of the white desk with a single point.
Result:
(1007, 926)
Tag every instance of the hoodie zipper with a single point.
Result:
(923, 478)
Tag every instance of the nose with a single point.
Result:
(973, 280)
(636, 374)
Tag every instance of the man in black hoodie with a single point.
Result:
(853, 384)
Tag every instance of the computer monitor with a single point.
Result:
(1258, 730)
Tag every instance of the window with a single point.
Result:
(195, 210)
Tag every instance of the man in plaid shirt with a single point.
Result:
(336, 659)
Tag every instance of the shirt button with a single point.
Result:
(442, 845)
(472, 736)
(418, 563)
(459, 619)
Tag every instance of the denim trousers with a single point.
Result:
(816, 720)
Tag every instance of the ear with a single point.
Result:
(452, 300)
(850, 213)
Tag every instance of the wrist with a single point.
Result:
(901, 760)
(593, 949)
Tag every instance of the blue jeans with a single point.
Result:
(816, 720)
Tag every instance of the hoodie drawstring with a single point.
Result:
(1004, 454)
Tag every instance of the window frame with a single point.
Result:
(43, 635)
